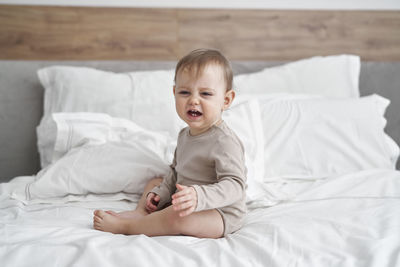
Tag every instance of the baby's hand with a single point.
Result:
(152, 200)
(185, 200)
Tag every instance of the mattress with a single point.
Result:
(348, 220)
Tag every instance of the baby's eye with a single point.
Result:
(183, 92)
(206, 94)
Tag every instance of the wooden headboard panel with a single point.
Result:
(87, 33)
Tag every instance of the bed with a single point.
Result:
(320, 134)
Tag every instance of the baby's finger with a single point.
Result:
(184, 205)
(181, 187)
(181, 199)
(150, 205)
(180, 194)
(150, 210)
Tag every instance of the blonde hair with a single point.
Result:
(198, 59)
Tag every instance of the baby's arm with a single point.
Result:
(228, 155)
(166, 188)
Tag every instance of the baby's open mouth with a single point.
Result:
(194, 113)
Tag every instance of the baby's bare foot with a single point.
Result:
(107, 222)
(112, 213)
(131, 214)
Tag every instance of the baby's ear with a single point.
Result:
(229, 96)
(173, 89)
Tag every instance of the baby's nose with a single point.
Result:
(194, 100)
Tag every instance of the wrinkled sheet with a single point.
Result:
(348, 220)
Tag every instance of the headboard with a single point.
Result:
(128, 39)
(90, 33)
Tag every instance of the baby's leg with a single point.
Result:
(207, 223)
(140, 209)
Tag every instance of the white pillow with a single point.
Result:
(95, 153)
(245, 120)
(111, 167)
(145, 97)
(333, 76)
(81, 89)
(85, 142)
(320, 137)
(70, 130)
(154, 101)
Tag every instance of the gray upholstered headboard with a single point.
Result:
(21, 102)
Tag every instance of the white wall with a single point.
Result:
(257, 4)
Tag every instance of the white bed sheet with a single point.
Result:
(348, 220)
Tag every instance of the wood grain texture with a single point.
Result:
(84, 33)
(37, 32)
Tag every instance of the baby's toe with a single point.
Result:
(112, 212)
(96, 226)
(100, 213)
(97, 219)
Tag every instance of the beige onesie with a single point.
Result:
(213, 164)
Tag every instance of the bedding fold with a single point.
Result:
(350, 220)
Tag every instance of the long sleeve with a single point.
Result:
(167, 186)
(228, 155)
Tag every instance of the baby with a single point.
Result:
(204, 193)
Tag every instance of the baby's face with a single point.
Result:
(200, 100)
